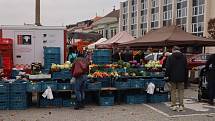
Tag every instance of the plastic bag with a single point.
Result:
(72, 81)
(150, 88)
(48, 94)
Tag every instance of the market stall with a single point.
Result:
(107, 84)
(121, 37)
(168, 36)
(93, 45)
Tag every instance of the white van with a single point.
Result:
(153, 56)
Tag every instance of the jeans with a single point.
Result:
(80, 84)
(180, 91)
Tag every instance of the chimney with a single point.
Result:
(37, 13)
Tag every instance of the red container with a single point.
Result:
(6, 47)
(6, 41)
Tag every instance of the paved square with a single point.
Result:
(192, 107)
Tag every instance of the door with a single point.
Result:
(24, 51)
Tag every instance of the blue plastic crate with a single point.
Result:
(15, 73)
(120, 70)
(157, 74)
(64, 86)
(122, 84)
(106, 100)
(102, 62)
(4, 96)
(51, 84)
(68, 102)
(106, 82)
(159, 83)
(51, 50)
(45, 103)
(18, 87)
(18, 105)
(136, 99)
(57, 102)
(18, 96)
(4, 105)
(4, 87)
(34, 87)
(137, 83)
(52, 56)
(102, 52)
(62, 75)
(94, 85)
(158, 97)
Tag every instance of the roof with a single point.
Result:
(170, 36)
(119, 38)
(114, 13)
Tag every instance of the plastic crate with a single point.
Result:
(15, 73)
(34, 87)
(57, 102)
(69, 103)
(122, 84)
(157, 74)
(64, 86)
(4, 105)
(4, 96)
(106, 100)
(102, 52)
(137, 83)
(52, 56)
(18, 105)
(51, 84)
(94, 85)
(45, 103)
(135, 99)
(106, 82)
(61, 75)
(51, 50)
(18, 87)
(4, 87)
(102, 62)
(158, 97)
(159, 83)
(18, 96)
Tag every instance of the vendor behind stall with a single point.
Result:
(116, 55)
(128, 56)
(72, 55)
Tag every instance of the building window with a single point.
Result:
(198, 17)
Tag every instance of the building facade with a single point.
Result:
(137, 17)
(107, 26)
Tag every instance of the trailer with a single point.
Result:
(29, 41)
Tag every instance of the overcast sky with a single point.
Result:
(53, 12)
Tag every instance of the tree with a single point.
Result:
(211, 28)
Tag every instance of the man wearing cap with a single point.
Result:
(177, 72)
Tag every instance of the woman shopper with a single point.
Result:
(79, 70)
(210, 69)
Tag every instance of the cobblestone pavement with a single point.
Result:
(97, 113)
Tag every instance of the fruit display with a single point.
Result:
(99, 75)
(66, 66)
(153, 66)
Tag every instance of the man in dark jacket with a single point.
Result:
(176, 71)
(210, 67)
